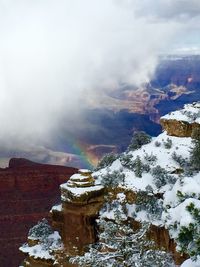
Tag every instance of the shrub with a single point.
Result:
(168, 143)
(157, 144)
(150, 158)
(112, 179)
(189, 235)
(127, 161)
(41, 230)
(135, 165)
(139, 139)
(161, 176)
(139, 167)
(106, 161)
(150, 204)
(195, 152)
(179, 159)
(119, 245)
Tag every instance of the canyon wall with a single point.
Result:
(27, 192)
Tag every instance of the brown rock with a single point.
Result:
(178, 128)
(28, 191)
(74, 219)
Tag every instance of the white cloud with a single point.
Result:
(53, 54)
(168, 9)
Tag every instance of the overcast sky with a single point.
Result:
(55, 53)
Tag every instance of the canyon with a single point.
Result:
(27, 192)
(84, 195)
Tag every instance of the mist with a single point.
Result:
(55, 55)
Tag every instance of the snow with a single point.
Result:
(116, 165)
(190, 263)
(190, 113)
(141, 216)
(175, 197)
(130, 209)
(177, 115)
(43, 249)
(121, 197)
(175, 214)
(37, 251)
(108, 214)
(84, 171)
(181, 146)
(179, 216)
(78, 191)
(56, 208)
(189, 186)
(77, 184)
(138, 184)
(77, 177)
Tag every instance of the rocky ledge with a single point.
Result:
(182, 122)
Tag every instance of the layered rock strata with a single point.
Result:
(82, 197)
(74, 219)
(27, 192)
(183, 122)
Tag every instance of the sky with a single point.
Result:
(55, 54)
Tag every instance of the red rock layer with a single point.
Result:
(27, 192)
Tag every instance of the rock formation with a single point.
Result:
(27, 192)
(82, 197)
(73, 219)
(181, 123)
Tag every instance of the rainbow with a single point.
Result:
(76, 147)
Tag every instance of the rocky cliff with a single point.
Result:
(154, 183)
(74, 219)
(27, 192)
(183, 122)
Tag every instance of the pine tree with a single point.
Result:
(179, 159)
(195, 153)
(41, 230)
(139, 139)
(112, 179)
(189, 236)
(106, 161)
(168, 143)
(161, 176)
(147, 202)
(138, 168)
(127, 161)
(120, 246)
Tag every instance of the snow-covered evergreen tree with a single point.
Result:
(112, 179)
(195, 153)
(136, 164)
(180, 160)
(106, 161)
(149, 203)
(138, 140)
(168, 143)
(189, 236)
(127, 161)
(161, 176)
(41, 230)
(138, 167)
(120, 246)
(150, 158)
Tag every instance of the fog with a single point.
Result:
(54, 55)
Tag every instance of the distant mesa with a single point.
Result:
(27, 192)
(22, 162)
